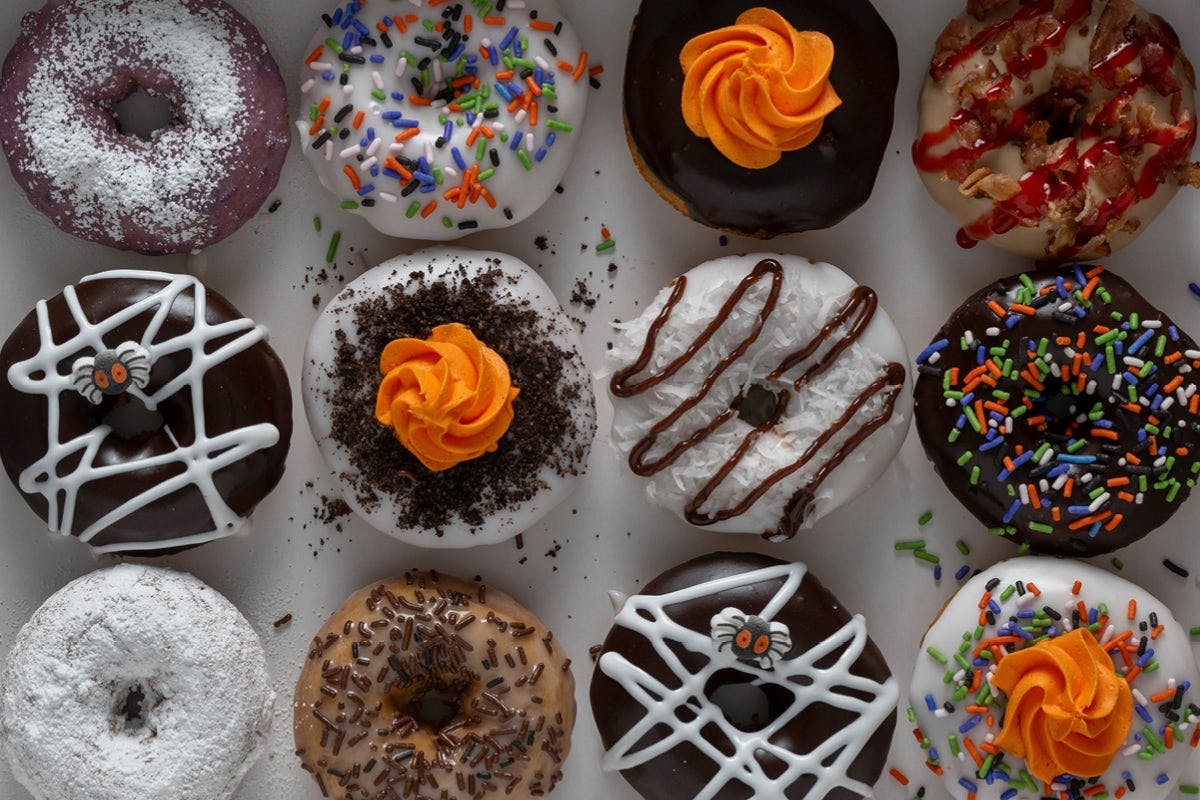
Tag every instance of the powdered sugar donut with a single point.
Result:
(135, 683)
(1050, 677)
(434, 120)
(758, 393)
(447, 394)
(193, 182)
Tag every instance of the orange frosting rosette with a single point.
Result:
(758, 88)
(448, 398)
(1068, 710)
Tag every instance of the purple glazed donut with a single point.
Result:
(191, 183)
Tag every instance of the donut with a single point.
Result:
(739, 675)
(431, 686)
(1056, 129)
(1070, 682)
(478, 462)
(142, 413)
(758, 393)
(433, 122)
(1061, 408)
(820, 76)
(190, 185)
(135, 683)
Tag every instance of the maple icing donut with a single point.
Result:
(434, 121)
(447, 394)
(135, 683)
(142, 413)
(1048, 677)
(1061, 408)
(191, 183)
(758, 393)
(431, 686)
(670, 691)
(1057, 129)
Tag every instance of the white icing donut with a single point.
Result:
(867, 369)
(69, 724)
(1115, 125)
(336, 348)
(1047, 588)
(480, 143)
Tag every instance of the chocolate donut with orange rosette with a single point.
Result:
(761, 120)
(1048, 677)
(446, 392)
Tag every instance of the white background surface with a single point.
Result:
(899, 243)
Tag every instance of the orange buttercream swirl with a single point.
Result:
(448, 398)
(1068, 710)
(759, 88)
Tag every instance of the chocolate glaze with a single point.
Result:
(812, 188)
(247, 389)
(812, 615)
(990, 500)
(854, 317)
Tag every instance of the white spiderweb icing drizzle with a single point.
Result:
(199, 462)
(648, 616)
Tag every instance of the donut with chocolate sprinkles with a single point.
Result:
(431, 686)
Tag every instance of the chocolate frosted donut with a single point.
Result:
(813, 187)
(1061, 408)
(142, 413)
(675, 696)
(428, 686)
(193, 182)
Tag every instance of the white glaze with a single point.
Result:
(648, 615)
(812, 293)
(939, 101)
(523, 285)
(513, 186)
(203, 668)
(1055, 579)
(199, 462)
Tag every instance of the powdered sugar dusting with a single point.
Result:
(208, 693)
(162, 186)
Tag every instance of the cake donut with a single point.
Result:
(192, 183)
(1057, 129)
(761, 120)
(142, 413)
(1047, 677)
(758, 393)
(431, 686)
(135, 683)
(1061, 408)
(448, 397)
(738, 675)
(432, 121)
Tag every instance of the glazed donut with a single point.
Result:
(1061, 408)
(670, 693)
(426, 466)
(142, 413)
(430, 686)
(758, 393)
(135, 683)
(809, 154)
(194, 182)
(1057, 129)
(1056, 639)
(435, 122)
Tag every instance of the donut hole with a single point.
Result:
(745, 705)
(435, 703)
(132, 704)
(129, 418)
(142, 113)
(1063, 110)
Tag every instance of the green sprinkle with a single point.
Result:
(962, 547)
(927, 556)
(940, 658)
(1118, 563)
(317, 223)
(331, 253)
(925, 518)
(413, 209)
(446, 223)
(911, 544)
(525, 160)
(607, 244)
(349, 205)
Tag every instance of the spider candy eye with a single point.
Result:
(743, 639)
(119, 373)
(762, 644)
(100, 378)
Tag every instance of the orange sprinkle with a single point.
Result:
(579, 70)
(1075, 587)
(1132, 613)
(468, 23)
(899, 776)
(541, 25)
(1131, 676)
(358, 120)
(429, 209)
(314, 55)
(353, 176)
(493, 20)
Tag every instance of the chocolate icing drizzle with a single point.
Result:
(851, 320)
